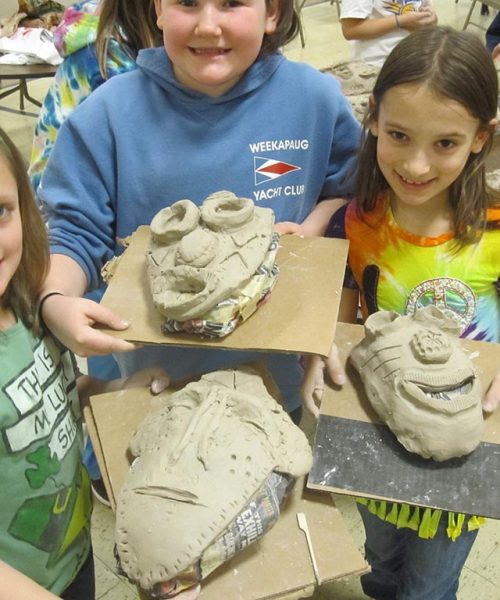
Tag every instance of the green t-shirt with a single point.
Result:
(44, 491)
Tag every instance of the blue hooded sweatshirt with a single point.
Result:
(284, 136)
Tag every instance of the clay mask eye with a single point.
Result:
(172, 223)
(226, 212)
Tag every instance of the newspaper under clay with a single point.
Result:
(212, 465)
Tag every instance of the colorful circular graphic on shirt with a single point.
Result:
(455, 298)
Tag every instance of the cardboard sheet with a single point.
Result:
(355, 454)
(300, 315)
(278, 566)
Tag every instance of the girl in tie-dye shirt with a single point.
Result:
(424, 229)
(97, 39)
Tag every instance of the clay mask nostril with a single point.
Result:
(188, 285)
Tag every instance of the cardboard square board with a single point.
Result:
(355, 454)
(300, 316)
(278, 566)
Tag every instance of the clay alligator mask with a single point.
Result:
(201, 458)
(201, 256)
(420, 382)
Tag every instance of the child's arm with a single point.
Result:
(370, 29)
(316, 222)
(16, 586)
(155, 378)
(314, 378)
(70, 318)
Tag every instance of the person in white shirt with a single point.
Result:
(374, 27)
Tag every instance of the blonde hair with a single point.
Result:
(25, 286)
(131, 23)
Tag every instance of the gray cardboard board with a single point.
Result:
(369, 461)
(355, 454)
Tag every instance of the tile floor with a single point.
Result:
(324, 45)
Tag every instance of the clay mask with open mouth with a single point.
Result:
(200, 256)
(420, 382)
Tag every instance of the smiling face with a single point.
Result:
(424, 141)
(211, 43)
(11, 235)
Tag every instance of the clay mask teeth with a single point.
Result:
(449, 393)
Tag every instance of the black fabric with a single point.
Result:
(83, 585)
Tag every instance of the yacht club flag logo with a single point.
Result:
(266, 169)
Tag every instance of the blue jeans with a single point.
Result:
(493, 33)
(407, 567)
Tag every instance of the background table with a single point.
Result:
(22, 73)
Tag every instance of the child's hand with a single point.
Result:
(190, 594)
(155, 378)
(71, 320)
(492, 398)
(416, 19)
(314, 378)
(287, 227)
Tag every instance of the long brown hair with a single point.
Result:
(456, 65)
(24, 288)
(287, 29)
(132, 23)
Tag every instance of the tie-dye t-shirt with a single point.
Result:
(76, 78)
(396, 270)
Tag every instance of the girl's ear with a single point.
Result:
(483, 136)
(273, 15)
(159, 22)
(373, 120)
